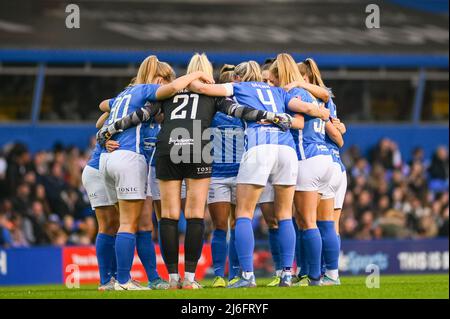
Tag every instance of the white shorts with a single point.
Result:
(153, 186)
(125, 175)
(315, 174)
(265, 163)
(268, 194)
(342, 189)
(95, 187)
(222, 189)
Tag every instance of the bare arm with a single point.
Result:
(104, 106)
(339, 125)
(316, 90)
(168, 90)
(298, 122)
(299, 106)
(101, 120)
(334, 134)
(210, 89)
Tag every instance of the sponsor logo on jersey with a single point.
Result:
(128, 190)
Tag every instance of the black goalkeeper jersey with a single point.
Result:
(187, 119)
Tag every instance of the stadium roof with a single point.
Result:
(302, 27)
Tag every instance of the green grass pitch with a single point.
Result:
(391, 287)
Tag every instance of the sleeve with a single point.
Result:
(111, 102)
(144, 114)
(149, 91)
(229, 87)
(332, 107)
(232, 108)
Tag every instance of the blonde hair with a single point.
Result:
(248, 71)
(226, 73)
(151, 68)
(285, 69)
(310, 68)
(200, 62)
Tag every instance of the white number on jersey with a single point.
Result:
(270, 102)
(116, 108)
(319, 127)
(178, 112)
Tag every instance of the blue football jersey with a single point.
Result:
(94, 161)
(150, 138)
(329, 142)
(228, 141)
(128, 101)
(262, 96)
(310, 141)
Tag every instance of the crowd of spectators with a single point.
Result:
(42, 201)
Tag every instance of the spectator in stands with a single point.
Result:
(387, 154)
(439, 164)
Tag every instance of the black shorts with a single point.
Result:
(166, 170)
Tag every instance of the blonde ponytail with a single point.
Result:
(151, 68)
(248, 71)
(285, 69)
(147, 70)
(200, 62)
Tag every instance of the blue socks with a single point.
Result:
(104, 248)
(146, 253)
(233, 260)
(312, 244)
(275, 247)
(330, 244)
(125, 245)
(287, 240)
(245, 243)
(304, 268)
(219, 251)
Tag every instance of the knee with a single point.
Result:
(221, 225)
(272, 223)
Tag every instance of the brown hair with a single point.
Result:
(226, 73)
(310, 68)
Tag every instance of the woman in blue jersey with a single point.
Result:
(270, 156)
(228, 147)
(123, 169)
(314, 169)
(329, 211)
(106, 214)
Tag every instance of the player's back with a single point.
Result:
(228, 144)
(186, 116)
(262, 96)
(129, 100)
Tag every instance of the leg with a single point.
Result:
(108, 224)
(168, 224)
(284, 196)
(197, 191)
(130, 211)
(144, 243)
(306, 204)
(234, 268)
(268, 212)
(219, 214)
(330, 243)
(247, 197)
